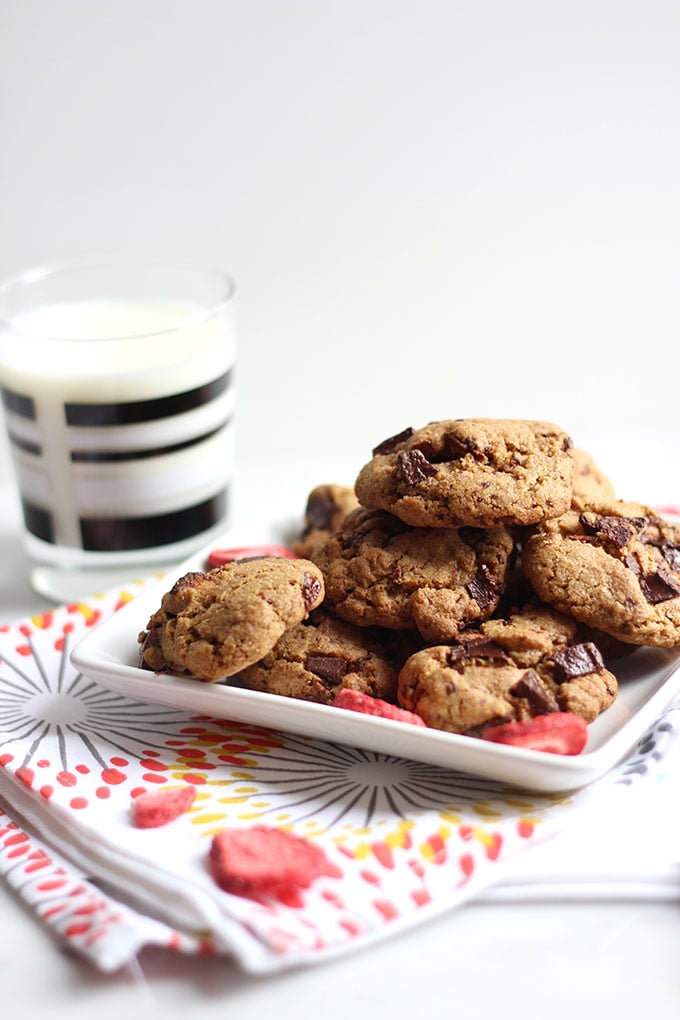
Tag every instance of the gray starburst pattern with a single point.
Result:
(49, 710)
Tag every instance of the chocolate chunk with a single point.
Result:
(539, 697)
(429, 451)
(659, 586)
(632, 564)
(671, 554)
(413, 467)
(455, 447)
(577, 660)
(320, 509)
(456, 654)
(476, 648)
(329, 668)
(481, 588)
(311, 589)
(617, 530)
(391, 444)
(496, 720)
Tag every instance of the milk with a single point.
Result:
(119, 415)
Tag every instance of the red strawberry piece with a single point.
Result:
(218, 557)
(556, 732)
(265, 860)
(357, 701)
(158, 807)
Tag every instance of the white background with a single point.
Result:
(431, 209)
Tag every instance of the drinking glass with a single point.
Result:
(118, 393)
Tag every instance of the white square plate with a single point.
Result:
(649, 680)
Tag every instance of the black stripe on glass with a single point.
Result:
(118, 456)
(136, 411)
(110, 534)
(25, 445)
(18, 403)
(38, 522)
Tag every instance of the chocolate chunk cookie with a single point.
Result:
(212, 625)
(380, 572)
(478, 472)
(324, 655)
(507, 670)
(615, 567)
(327, 506)
(591, 485)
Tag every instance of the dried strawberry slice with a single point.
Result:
(357, 701)
(218, 557)
(556, 732)
(265, 860)
(158, 807)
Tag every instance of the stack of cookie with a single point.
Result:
(480, 572)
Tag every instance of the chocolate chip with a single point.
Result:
(478, 647)
(320, 509)
(577, 660)
(391, 444)
(413, 467)
(149, 639)
(329, 668)
(429, 451)
(482, 588)
(617, 530)
(530, 687)
(567, 443)
(632, 564)
(455, 447)
(455, 655)
(659, 586)
(496, 720)
(311, 590)
(671, 554)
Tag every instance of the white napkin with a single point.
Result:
(625, 846)
(407, 840)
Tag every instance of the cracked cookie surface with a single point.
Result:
(513, 669)
(379, 571)
(212, 625)
(479, 472)
(324, 655)
(615, 567)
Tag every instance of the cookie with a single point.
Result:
(590, 484)
(214, 624)
(528, 668)
(380, 572)
(615, 567)
(477, 472)
(326, 508)
(317, 659)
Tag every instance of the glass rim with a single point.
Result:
(39, 273)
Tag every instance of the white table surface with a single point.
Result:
(432, 209)
(487, 959)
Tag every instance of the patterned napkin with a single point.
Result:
(408, 840)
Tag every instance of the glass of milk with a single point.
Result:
(117, 385)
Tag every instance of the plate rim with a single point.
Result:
(523, 768)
